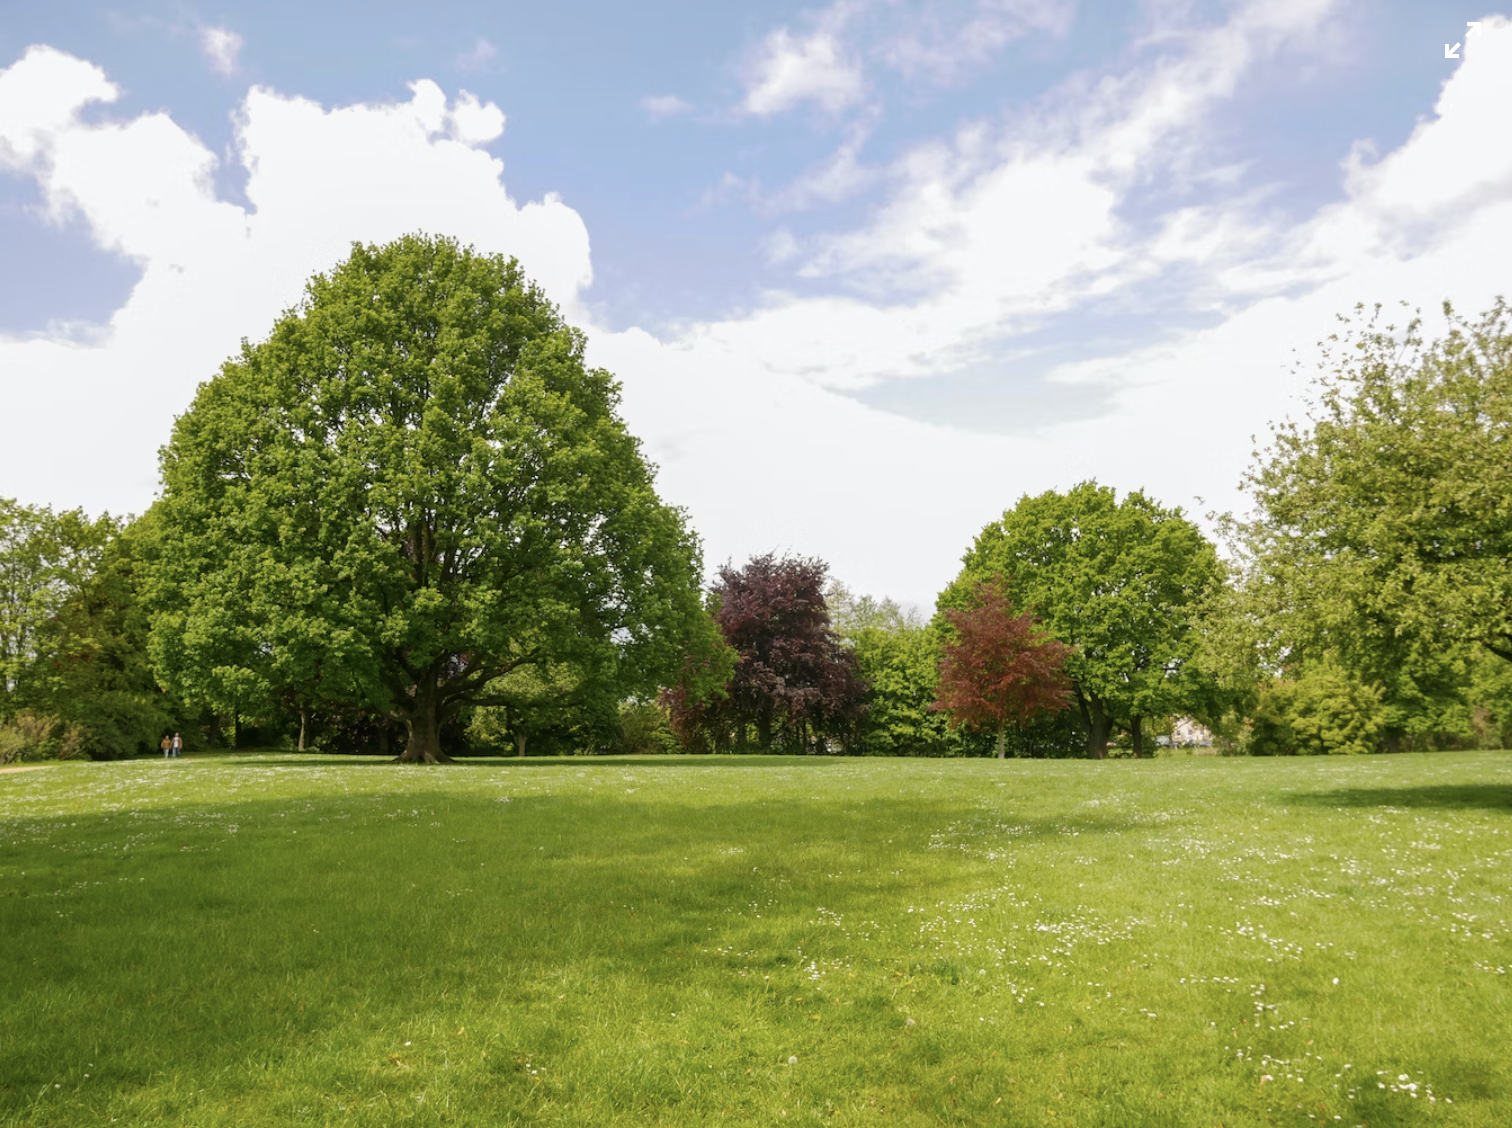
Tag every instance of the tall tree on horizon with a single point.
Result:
(1000, 668)
(791, 671)
(413, 488)
(1381, 536)
(1121, 581)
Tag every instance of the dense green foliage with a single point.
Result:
(898, 659)
(1382, 538)
(45, 559)
(76, 677)
(898, 656)
(413, 513)
(1121, 582)
(1322, 711)
(413, 489)
(900, 668)
(278, 940)
(551, 709)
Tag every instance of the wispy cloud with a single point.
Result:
(789, 70)
(658, 106)
(479, 56)
(980, 238)
(928, 41)
(1014, 226)
(940, 40)
(221, 48)
(838, 177)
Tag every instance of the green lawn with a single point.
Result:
(289, 939)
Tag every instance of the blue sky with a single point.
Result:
(863, 267)
(673, 239)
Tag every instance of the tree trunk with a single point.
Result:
(1095, 719)
(1136, 731)
(1001, 753)
(764, 729)
(519, 744)
(302, 720)
(424, 721)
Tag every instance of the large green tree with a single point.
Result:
(1120, 581)
(73, 632)
(46, 559)
(101, 677)
(414, 487)
(1382, 531)
(901, 668)
(898, 658)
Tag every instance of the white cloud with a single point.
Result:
(996, 231)
(659, 106)
(40, 96)
(940, 41)
(474, 122)
(790, 70)
(1000, 227)
(933, 41)
(1459, 156)
(221, 47)
(214, 272)
(477, 57)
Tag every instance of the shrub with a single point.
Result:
(644, 729)
(1323, 711)
(28, 735)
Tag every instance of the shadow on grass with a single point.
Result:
(1469, 796)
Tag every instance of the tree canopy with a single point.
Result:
(791, 677)
(1120, 581)
(413, 488)
(46, 559)
(900, 669)
(999, 668)
(1382, 531)
(73, 634)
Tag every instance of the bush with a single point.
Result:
(29, 735)
(1323, 711)
(644, 729)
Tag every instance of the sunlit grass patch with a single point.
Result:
(298, 939)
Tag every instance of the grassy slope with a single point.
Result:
(272, 940)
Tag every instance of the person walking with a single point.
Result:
(178, 746)
(166, 744)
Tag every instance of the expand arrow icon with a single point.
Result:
(1474, 26)
(1451, 52)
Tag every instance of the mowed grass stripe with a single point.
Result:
(298, 939)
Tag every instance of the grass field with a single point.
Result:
(311, 940)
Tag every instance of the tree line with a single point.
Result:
(411, 521)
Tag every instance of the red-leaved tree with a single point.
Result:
(792, 676)
(1000, 669)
